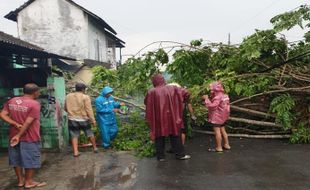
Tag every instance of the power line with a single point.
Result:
(256, 15)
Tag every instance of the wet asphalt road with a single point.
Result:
(250, 165)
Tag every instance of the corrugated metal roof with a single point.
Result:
(13, 14)
(119, 43)
(6, 38)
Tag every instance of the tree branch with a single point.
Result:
(271, 92)
(252, 112)
(255, 122)
(247, 135)
(257, 132)
(287, 61)
(128, 102)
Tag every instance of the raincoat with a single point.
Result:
(106, 117)
(164, 108)
(218, 106)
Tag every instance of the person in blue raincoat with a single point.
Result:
(106, 108)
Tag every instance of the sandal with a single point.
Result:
(77, 155)
(215, 150)
(20, 185)
(226, 147)
(36, 184)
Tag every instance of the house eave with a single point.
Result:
(14, 14)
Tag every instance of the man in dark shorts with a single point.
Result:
(188, 109)
(81, 117)
(23, 115)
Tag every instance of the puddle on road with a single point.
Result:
(100, 177)
(128, 177)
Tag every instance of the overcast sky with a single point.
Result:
(140, 22)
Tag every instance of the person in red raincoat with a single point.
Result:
(164, 114)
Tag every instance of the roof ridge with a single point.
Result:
(12, 15)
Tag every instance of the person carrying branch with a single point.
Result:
(80, 117)
(106, 109)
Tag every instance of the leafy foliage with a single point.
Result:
(189, 62)
(196, 43)
(282, 106)
(299, 17)
(134, 135)
(301, 134)
(290, 19)
(134, 76)
(103, 76)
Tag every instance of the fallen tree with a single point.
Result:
(267, 77)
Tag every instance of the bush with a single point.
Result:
(134, 135)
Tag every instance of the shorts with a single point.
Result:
(76, 133)
(184, 129)
(26, 155)
(218, 125)
(75, 130)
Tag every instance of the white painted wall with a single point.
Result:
(55, 25)
(62, 28)
(95, 35)
(97, 38)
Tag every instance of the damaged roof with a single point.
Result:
(13, 14)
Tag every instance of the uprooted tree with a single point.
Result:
(266, 77)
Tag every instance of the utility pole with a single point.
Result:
(228, 38)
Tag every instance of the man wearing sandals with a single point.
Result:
(23, 115)
(81, 116)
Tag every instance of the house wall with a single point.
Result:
(55, 25)
(111, 54)
(98, 42)
(84, 75)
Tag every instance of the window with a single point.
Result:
(97, 50)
